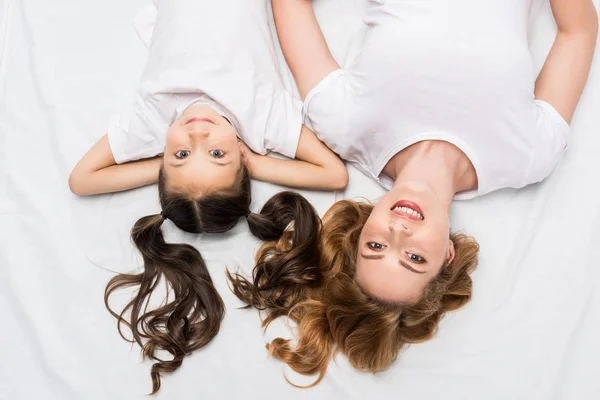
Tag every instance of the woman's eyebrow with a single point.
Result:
(373, 257)
(408, 267)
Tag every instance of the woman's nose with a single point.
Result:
(400, 227)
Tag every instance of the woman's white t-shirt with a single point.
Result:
(458, 71)
(218, 52)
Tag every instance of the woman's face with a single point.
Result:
(404, 243)
(202, 152)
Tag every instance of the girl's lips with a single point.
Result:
(409, 204)
(197, 119)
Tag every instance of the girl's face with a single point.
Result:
(202, 152)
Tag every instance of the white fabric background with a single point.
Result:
(531, 331)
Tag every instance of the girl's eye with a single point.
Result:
(375, 246)
(415, 258)
(217, 153)
(181, 154)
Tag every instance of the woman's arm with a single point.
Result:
(97, 172)
(566, 69)
(316, 166)
(302, 43)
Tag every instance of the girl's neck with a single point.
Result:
(440, 165)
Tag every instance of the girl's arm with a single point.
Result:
(316, 166)
(97, 172)
(566, 69)
(302, 43)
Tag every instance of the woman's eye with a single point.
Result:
(217, 153)
(415, 258)
(375, 246)
(181, 154)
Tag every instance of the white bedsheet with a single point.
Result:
(531, 332)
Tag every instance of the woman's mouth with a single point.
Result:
(408, 209)
(199, 119)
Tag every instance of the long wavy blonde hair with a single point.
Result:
(335, 315)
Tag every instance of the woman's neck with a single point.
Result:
(441, 165)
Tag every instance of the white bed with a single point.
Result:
(531, 332)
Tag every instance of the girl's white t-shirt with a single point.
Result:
(458, 71)
(218, 52)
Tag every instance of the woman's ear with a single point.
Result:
(451, 253)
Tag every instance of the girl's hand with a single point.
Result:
(315, 167)
(251, 159)
(97, 172)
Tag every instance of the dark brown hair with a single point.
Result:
(338, 316)
(287, 264)
(191, 316)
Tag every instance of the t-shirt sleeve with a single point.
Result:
(326, 108)
(282, 132)
(552, 134)
(134, 134)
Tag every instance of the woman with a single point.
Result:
(210, 104)
(441, 104)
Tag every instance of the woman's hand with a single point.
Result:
(566, 69)
(302, 42)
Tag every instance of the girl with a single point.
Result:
(441, 104)
(210, 104)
